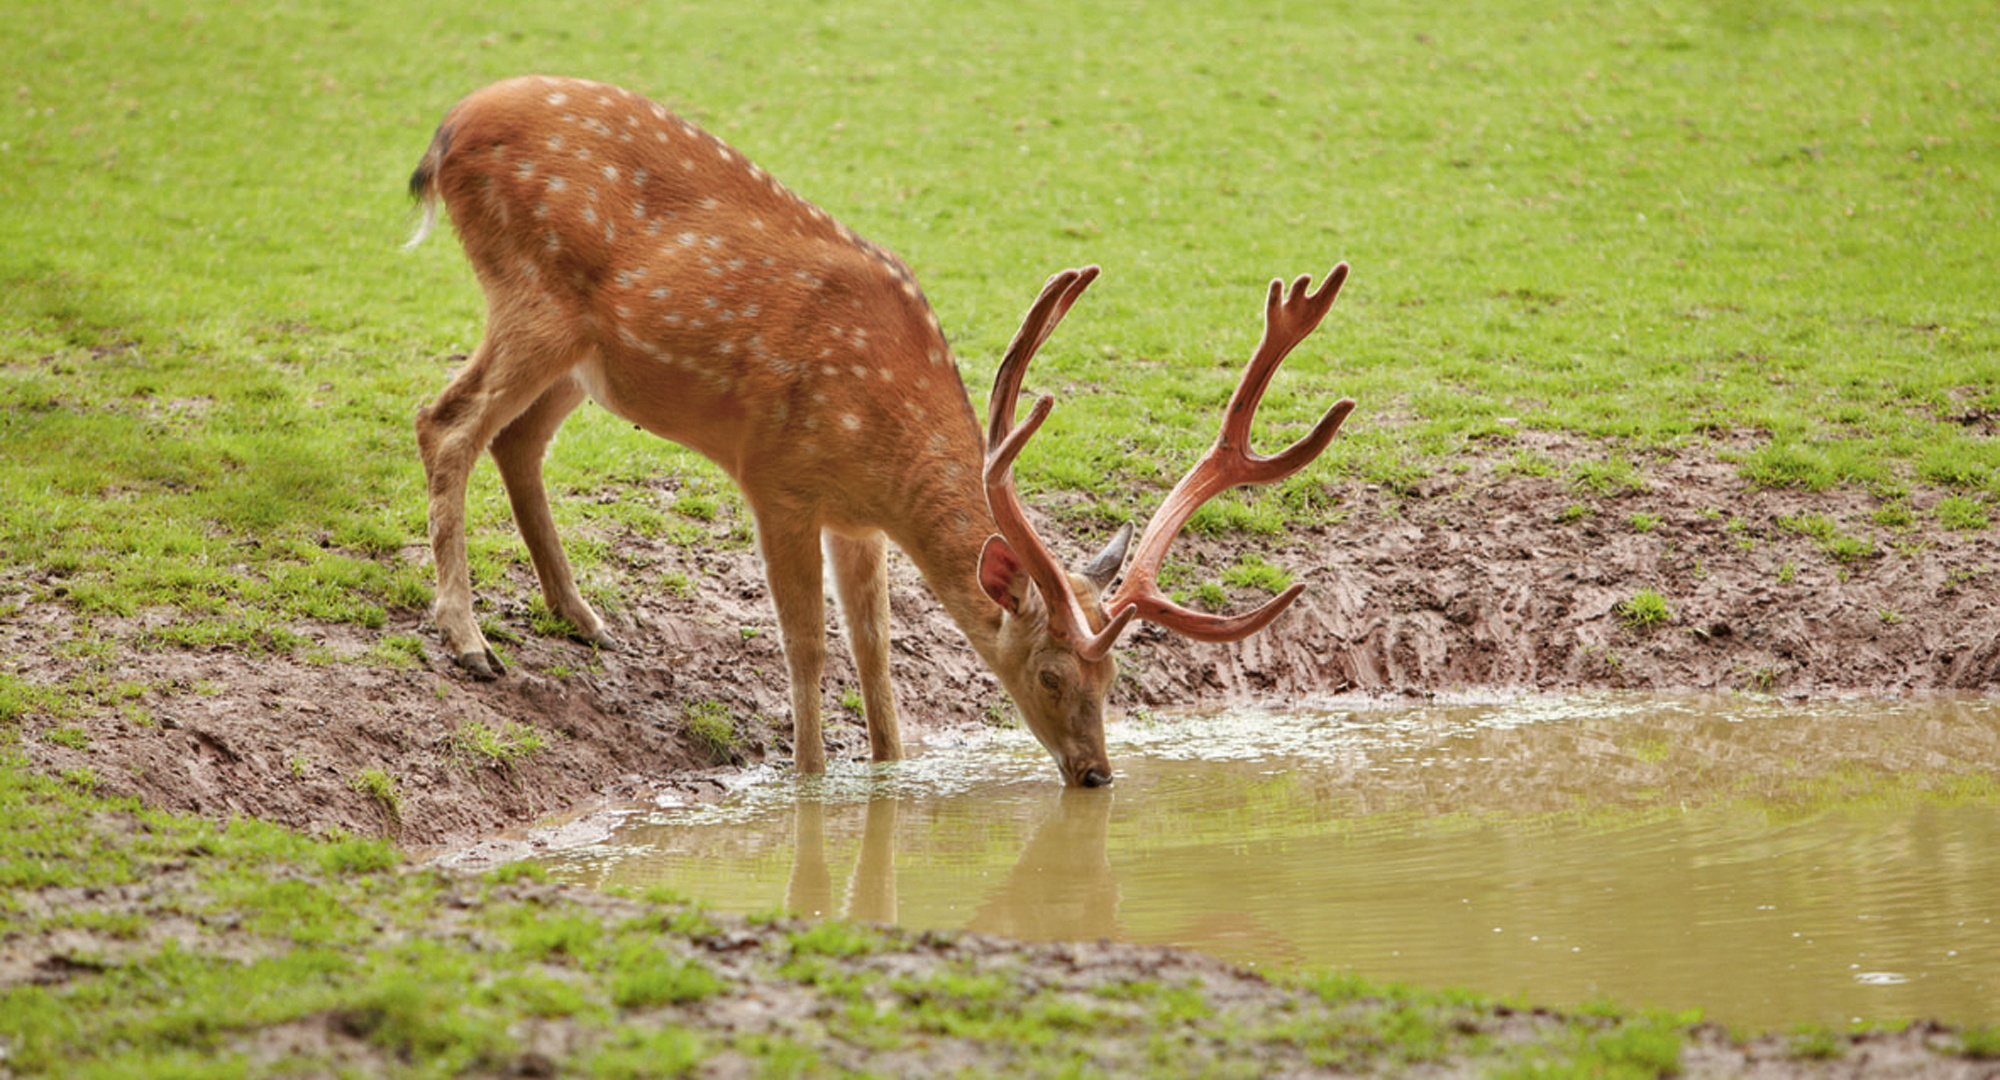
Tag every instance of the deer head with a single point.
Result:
(1058, 635)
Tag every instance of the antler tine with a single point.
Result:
(1058, 293)
(1004, 442)
(1289, 316)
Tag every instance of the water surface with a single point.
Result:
(1768, 863)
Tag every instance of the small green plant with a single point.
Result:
(297, 763)
(641, 977)
(698, 505)
(1889, 616)
(1574, 513)
(836, 939)
(401, 651)
(549, 624)
(677, 584)
(379, 786)
(513, 872)
(1762, 680)
(711, 727)
(1211, 596)
(74, 738)
(1252, 572)
(1644, 523)
(748, 632)
(1896, 515)
(1980, 1043)
(1787, 571)
(1608, 477)
(850, 699)
(1824, 532)
(1815, 1044)
(1527, 463)
(83, 778)
(477, 744)
(1645, 608)
(1960, 513)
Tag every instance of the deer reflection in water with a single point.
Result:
(1060, 888)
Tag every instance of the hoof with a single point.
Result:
(481, 665)
(601, 641)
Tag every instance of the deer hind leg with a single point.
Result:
(518, 451)
(452, 431)
(861, 581)
(789, 543)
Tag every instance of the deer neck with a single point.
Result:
(943, 534)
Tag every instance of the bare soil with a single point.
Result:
(1480, 580)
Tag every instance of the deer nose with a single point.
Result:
(1096, 778)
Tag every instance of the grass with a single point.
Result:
(712, 729)
(504, 747)
(1643, 609)
(1664, 223)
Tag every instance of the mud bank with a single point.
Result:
(1481, 579)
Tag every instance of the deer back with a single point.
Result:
(695, 295)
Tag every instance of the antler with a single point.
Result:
(1288, 318)
(1003, 445)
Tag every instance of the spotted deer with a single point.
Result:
(630, 257)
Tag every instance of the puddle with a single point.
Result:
(1768, 863)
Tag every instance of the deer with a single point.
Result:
(630, 257)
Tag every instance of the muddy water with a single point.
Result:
(1768, 863)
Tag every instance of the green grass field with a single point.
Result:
(1651, 224)
(1768, 226)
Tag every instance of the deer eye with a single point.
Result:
(1051, 681)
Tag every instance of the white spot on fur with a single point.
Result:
(611, 173)
(850, 421)
(557, 183)
(558, 98)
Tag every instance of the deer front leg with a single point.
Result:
(518, 451)
(861, 581)
(790, 546)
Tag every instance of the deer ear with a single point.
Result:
(1002, 576)
(1104, 568)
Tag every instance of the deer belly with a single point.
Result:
(694, 405)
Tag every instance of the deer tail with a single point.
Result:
(424, 187)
